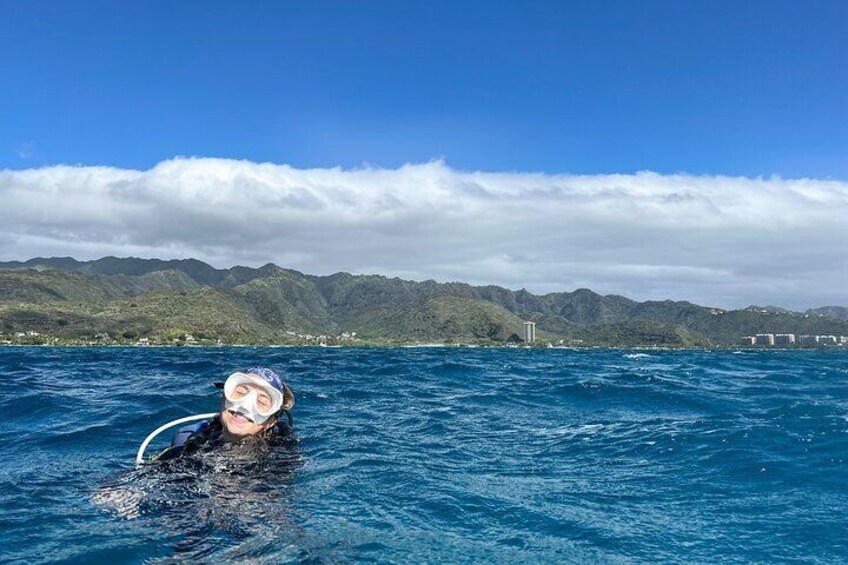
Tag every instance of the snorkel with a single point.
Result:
(139, 457)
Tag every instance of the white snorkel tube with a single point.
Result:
(139, 458)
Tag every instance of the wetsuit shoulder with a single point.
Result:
(184, 433)
(180, 440)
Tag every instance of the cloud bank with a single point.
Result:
(722, 241)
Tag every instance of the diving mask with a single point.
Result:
(252, 397)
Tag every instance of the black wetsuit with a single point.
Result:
(207, 435)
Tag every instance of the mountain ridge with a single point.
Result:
(275, 303)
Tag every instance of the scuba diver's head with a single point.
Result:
(253, 400)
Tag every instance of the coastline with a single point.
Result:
(396, 345)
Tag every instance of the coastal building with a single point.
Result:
(765, 339)
(747, 340)
(808, 340)
(529, 332)
(784, 339)
(827, 339)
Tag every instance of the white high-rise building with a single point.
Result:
(529, 332)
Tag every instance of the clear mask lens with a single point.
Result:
(261, 399)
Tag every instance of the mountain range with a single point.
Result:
(127, 299)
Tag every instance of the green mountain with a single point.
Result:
(127, 299)
(838, 312)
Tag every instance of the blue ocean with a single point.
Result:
(454, 455)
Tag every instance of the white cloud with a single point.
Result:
(724, 241)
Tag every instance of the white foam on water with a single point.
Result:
(636, 355)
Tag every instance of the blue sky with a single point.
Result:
(734, 88)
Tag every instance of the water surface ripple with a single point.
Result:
(433, 454)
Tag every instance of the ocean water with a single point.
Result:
(433, 455)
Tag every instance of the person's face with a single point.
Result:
(237, 425)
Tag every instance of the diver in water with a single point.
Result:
(252, 405)
(249, 442)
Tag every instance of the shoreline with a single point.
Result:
(425, 346)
